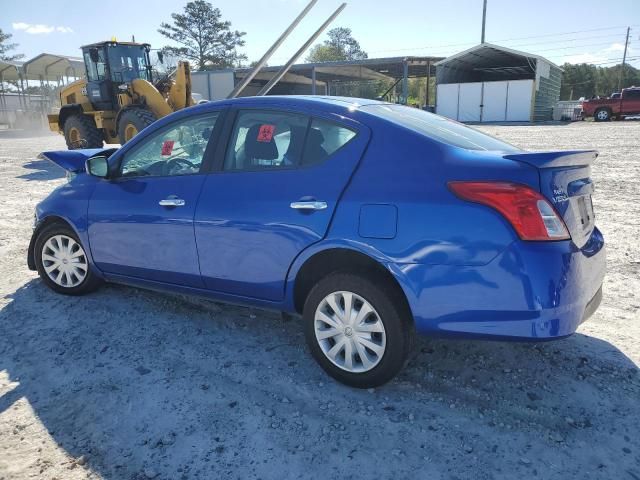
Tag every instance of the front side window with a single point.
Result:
(175, 150)
(438, 128)
(96, 71)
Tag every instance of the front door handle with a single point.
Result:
(310, 205)
(172, 201)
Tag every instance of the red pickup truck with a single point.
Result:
(604, 109)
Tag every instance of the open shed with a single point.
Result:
(44, 68)
(52, 68)
(326, 78)
(490, 83)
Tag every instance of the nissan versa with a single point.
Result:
(372, 220)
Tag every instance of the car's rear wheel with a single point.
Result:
(602, 115)
(62, 262)
(357, 330)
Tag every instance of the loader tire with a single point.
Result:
(132, 122)
(80, 131)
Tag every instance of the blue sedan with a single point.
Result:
(373, 221)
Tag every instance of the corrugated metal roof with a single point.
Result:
(50, 67)
(488, 52)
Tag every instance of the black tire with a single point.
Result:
(138, 118)
(80, 131)
(391, 309)
(91, 280)
(602, 115)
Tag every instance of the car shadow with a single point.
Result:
(148, 385)
(42, 170)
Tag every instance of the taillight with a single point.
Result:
(530, 214)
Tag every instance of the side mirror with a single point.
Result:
(97, 167)
(93, 55)
(161, 57)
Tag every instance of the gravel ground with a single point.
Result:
(132, 384)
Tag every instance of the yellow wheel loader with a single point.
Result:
(118, 97)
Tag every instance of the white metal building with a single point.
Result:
(489, 83)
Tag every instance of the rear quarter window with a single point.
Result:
(438, 128)
(324, 138)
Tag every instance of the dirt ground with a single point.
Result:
(132, 384)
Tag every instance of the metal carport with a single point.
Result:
(493, 83)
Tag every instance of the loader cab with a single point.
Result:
(109, 66)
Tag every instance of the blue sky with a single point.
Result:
(384, 28)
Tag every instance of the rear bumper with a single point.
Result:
(532, 291)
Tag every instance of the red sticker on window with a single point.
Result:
(266, 133)
(167, 148)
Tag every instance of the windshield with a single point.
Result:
(128, 63)
(438, 128)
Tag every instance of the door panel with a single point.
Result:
(447, 100)
(519, 99)
(495, 102)
(469, 102)
(141, 223)
(246, 230)
(131, 234)
(631, 102)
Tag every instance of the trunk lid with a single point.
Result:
(565, 180)
(74, 160)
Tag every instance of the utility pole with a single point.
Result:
(624, 60)
(484, 19)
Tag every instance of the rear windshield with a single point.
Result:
(439, 128)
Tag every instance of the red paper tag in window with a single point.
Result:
(167, 148)
(266, 133)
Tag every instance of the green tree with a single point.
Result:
(203, 37)
(338, 47)
(5, 48)
(586, 80)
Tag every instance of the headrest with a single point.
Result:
(296, 141)
(259, 143)
(313, 150)
(316, 138)
(206, 133)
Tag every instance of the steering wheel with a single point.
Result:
(174, 162)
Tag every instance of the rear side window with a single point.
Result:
(266, 139)
(439, 128)
(275, 140)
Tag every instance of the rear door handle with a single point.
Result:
(310, 205)
(172, 201)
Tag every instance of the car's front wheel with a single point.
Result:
(62, 262)
(357, 330)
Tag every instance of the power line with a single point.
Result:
(568, 33)
(574, 47)
(610, 35)
(506, 40)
